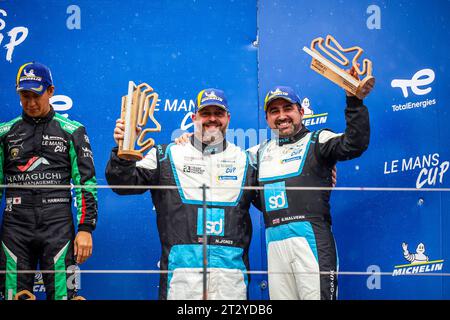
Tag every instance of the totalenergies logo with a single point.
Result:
(419, 85)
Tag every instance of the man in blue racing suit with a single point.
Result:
(207, 160)
(300, 242)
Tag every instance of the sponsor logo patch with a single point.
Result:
(275, 196)
(215, 222)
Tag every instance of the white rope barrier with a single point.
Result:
(254, 272)
(168, 187)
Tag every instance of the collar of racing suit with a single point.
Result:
(208, 148)
(45, 119)
(292, 139)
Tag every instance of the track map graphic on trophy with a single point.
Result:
(335, 73)
(137, 107)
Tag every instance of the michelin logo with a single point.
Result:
(211, 96)
(419, 262)
(311, 119)
(278, 92)
(31, 74)
(415, 258)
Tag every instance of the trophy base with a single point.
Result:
(365, 87)
(24, 295)
(130, 155)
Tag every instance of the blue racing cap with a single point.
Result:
(211, 97)
(33, 76)
(281, 92)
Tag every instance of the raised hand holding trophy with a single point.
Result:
(137, 107)
(335, 73)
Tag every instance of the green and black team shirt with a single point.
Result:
(48, 151)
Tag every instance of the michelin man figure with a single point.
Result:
(415, 258)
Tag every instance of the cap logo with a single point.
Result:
(29, 75)
(278, 92)
(211, 96)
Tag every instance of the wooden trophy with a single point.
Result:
(137, 107)
(24, 295)
(335, 73)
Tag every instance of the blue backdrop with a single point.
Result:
(245, 47)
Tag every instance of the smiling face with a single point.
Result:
(284, 116)
(420, 248)
(35, 105)
(211, 123)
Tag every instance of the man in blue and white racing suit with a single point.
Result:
(207, 159)
(300, 242)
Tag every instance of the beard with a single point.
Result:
(289, 130)
(211, 135)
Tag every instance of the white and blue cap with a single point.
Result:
(281, 92)
(211, 97)
(33, 76)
